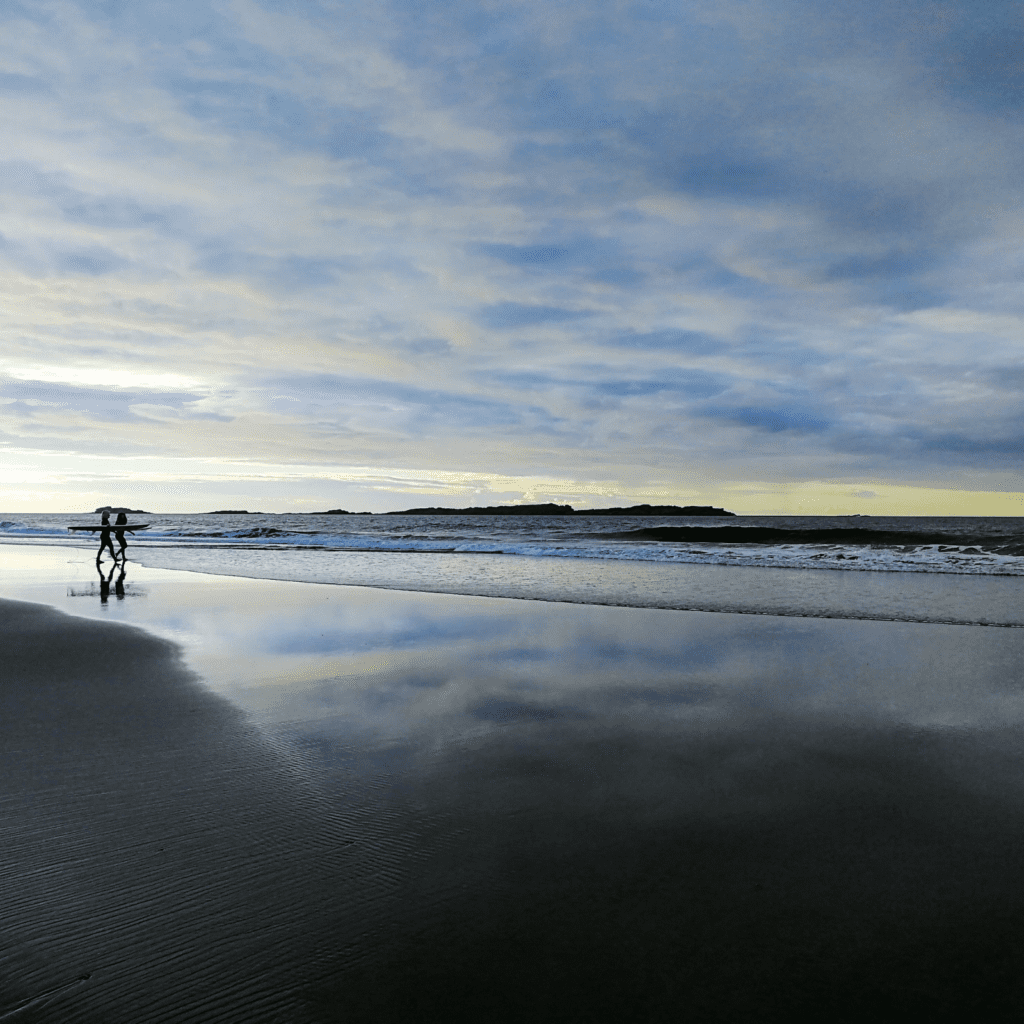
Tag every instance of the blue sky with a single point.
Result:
(375, 255)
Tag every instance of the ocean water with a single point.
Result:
(962, 545)
(950, 569)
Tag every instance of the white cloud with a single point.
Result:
(107, 376)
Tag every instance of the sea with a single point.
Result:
(933, 569)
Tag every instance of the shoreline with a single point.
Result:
(927, 598)
(945, 599)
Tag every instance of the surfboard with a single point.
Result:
(130, 528)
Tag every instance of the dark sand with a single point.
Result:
(467, 810)
(159, 862)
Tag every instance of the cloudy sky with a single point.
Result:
(381, 253)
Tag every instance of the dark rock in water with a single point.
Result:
(230, 512)
(113, 508)
(334, 512)
(550, 509)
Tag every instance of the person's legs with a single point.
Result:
(105, 542)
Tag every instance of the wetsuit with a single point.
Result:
(122, 520)
(105, 541)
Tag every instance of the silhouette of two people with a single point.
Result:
(106, 542)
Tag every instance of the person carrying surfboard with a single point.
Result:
(122, 520)
(105, 541)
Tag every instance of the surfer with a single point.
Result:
(122, 520)
(105, 541)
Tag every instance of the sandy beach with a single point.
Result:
(159, 860)
(248, 800)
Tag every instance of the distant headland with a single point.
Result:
(551, 509)
(230, 512)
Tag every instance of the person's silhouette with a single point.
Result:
(105, 541)
(122, 520)
(119, 582)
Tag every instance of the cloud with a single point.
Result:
(31, 399)
(772, 420)
(397, 407)
(539, 232)
(508, 315)
(683, 342)
(14, 83)
(595, 384)
(528, 255)
(279, 272)
(690, 385)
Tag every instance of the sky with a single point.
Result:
(763, 254)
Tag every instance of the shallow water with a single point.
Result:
(260, 642)
(609, 813)
(753, 590)
(909, 597)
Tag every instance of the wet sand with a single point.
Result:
(159, 861)
(336, 804)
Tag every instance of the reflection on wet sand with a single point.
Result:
(661, 815)
(464, 809)
(116, 575)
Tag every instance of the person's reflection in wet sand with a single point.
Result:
(105, 541)
(122, 520)
(105, 582)
(119, 582)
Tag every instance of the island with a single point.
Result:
(656, 510)
(230, 512)
(551, 509)
(134, 511)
